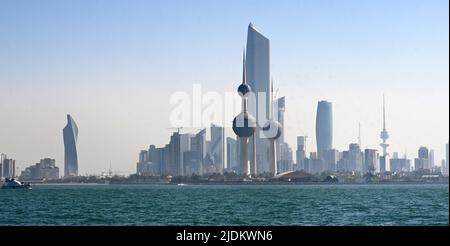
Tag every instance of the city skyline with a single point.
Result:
(116, 104)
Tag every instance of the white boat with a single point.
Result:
(12, 183)
(181, 184)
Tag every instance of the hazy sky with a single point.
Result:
(113, 65)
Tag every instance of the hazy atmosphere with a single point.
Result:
(113, 66)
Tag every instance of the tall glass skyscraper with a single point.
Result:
(70, 134)
(324, 128)
(258, 77)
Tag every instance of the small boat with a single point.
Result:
(12, 183)
(181, 184)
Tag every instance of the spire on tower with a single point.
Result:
(384, 134)
(244, 71)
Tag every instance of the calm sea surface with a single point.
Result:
(226, 205)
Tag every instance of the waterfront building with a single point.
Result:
(285, 162)
(370, 161)
(300, 153)
(232, 158)
(400, 164)
(70, 134)
(218, 147)
(446, 159)
(331, 158)
(258, 78)
(314, 164)
(2, 157)
(422, 162)
(198, 146)
(8, 167)
(324, 128)
(431, 163)
(46, 169)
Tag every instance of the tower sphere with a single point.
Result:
(244, 90)
(244, 125)
(272, 129)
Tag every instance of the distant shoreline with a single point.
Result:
(239, 183)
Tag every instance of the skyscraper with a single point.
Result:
(175, 154)
(301, 153)
(446, 159)
(422, 162)
(431, 159)
(281, 107)
(70, 134)
(8, 168)
(218, 147)
(198, 147)
(232, 158)
(400, 164)
(258, 78)
(324, 128)
(370, 161)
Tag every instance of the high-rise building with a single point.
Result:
(258, 78)
(8, 167)
(301, 153)
(232, 159)
(185, 145)
(152, 154)
(281, 108)
(218, 147)
(143, 156)
(166, 160)
(158, 161)
(400, 164)
(45, 169)
(370, 161)
(446, 159)
(283, 150)
(423, 161)
(285, 162)
(174, 154)
(423, 152)
(314, 165)
(331, 158)
(2, 157)
(148, 162)
(198, 146)
(324, 128)
(431, 163)
(70, 134)
(352, 160)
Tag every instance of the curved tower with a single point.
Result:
(70, 134)
(324, 128)
(258, 78)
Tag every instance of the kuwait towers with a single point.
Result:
(258, 103)
(244, 123)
